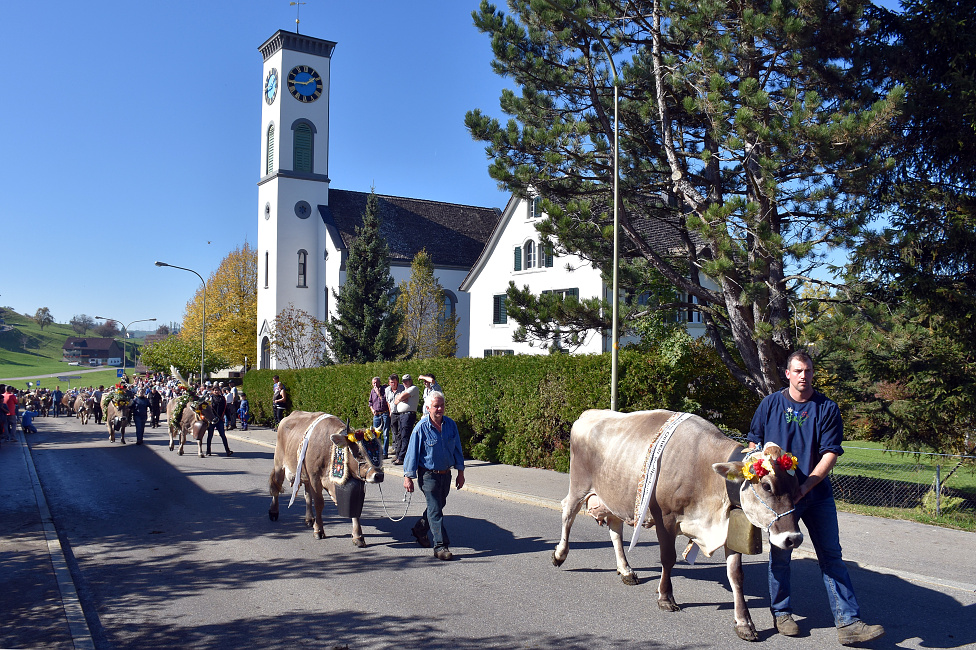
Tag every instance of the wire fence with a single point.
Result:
(936, 486)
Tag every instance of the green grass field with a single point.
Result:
(28, 351)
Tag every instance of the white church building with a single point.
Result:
(305, 229)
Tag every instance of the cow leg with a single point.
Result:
(357, 533)
(665, 538)
(275, 483)
(172, 440)
(111, 432)
(200, 447)
(743, 622)
(616, 526)
(571, 507)
(318, 529)
(122, 435)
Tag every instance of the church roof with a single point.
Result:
(453, 235)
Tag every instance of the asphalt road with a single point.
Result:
(178, 551)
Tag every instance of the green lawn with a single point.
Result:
(42, 353)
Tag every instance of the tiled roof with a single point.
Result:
(453, 234)
(90, 344)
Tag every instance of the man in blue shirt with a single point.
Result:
(808, 424)
(27, 421)
(434, 447)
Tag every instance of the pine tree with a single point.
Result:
(745, 136)
(366, 325)
(426, 331)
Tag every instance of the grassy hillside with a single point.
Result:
(27, 351)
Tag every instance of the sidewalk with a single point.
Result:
(36, 589)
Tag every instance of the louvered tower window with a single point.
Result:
(303, 148)
(269, 164)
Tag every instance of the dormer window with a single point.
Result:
(535, 208)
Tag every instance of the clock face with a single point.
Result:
(303, 209)
(304, 83)
(271, 86)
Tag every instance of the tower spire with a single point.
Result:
(298, 4)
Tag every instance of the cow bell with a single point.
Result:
(199, 427)
(743, 536)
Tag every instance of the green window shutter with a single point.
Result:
(499, 317)
(518, 258)
(270, 161)
(303, 148)
(549, 256)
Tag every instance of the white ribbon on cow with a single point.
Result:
(301, 456)
(650, 471)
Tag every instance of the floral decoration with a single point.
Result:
(360, 435)
(758, 464)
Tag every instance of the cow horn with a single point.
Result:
(347, 426)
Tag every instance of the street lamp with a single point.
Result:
(203, 329)
(125, 328)
(614, 336)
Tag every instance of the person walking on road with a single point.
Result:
(434, 448)
(808, 424)
(279, 397)
(140, 412)
(97, 396)
(57, 396)
(155, 406)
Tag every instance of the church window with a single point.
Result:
(266, 257)
(303, 148)
(269, 163)
(529, 250)
(450, 306)
(302, 263)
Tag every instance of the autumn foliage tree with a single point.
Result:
(298, 339)
(231, 307)
(426, 331)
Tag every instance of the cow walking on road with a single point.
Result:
(184, 417)
(609, 455)
(335, 459)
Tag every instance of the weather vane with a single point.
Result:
(298, 14)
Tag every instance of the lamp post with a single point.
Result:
(125, 328)
(203, 328)
(614, 335)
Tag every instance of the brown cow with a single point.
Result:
(67, 403)
(117, 418)
(608, 455)
(194, 421)
(363, 462)
(84, 407)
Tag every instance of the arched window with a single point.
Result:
(528, 253)
(269, 163)
(302, 263)
(265, 353)
(450, 306)
(266, 269)
(303, 148)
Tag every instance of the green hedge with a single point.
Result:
(519, 410)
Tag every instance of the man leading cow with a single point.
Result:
(809, 424)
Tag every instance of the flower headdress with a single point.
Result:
(366, 435)
(758, 464)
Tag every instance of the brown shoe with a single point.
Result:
(443, 553)
(421, 537)
(786, 626)
(858, 632)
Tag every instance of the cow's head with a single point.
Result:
(365, 459)
(767, 489)
(122, 416)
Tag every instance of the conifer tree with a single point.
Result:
(366, 326)
(426, 331)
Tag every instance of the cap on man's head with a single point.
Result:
(407, 378)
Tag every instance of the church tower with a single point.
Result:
(294, 180)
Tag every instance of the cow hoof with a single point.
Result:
(359, 541)
(556, 561)
(747, 632)
(181, 452)
(171, 447)
(122, 441)
(320, 534)
(309, 523)
(629, 578)
(668, 604)
(273, 516)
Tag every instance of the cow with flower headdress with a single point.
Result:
(680, 474)
(117, 406)
(322, 454)
(188, 416)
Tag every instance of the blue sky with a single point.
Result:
(133, 134)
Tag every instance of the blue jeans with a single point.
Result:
(140, 427)
(820, 517)
(382, 421)
(435, 488)
(219, 425)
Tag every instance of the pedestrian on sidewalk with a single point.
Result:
(244, 411)
(10, 401)
(434, 448)
(806, 423)
(393, 390)
(27, 421)
(381, 413)
(430, 385)
(405, 406)
(279, 398)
